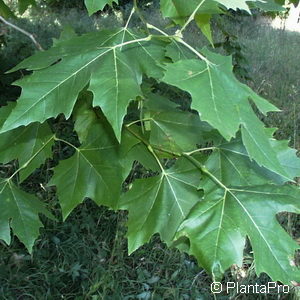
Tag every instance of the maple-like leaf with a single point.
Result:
(286, 155)
(114, 84)
(223, 102)
(96, 170)
(64, 70)
(179, 10)
(31, 145)
(218, 225)
(159, 204)
(20, 211)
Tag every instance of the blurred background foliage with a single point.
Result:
(86, 257)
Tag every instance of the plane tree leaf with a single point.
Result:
(95, 171)
(203, 22)
(286, 155)
(64, 70)
(206, 178)
(268, 5)
(31, 145)
(114, 84)
(140, 153)
(20, 211)
(237, 161)
(218, 225)
(231, 163)
(223, 102)
(159, 204)
(179, 11)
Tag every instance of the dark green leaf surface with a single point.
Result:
(24, 4)
(218, 225)
(95, 171)
(114, 85)
(223, 102)
(19, 210)
(100, 57)
(173, 129)
(230, 163)
(31, 145)
(95, 5)
(159, 204)
(217, 175)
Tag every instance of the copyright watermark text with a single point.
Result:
(269, 288)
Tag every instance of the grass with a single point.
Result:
(85, 257)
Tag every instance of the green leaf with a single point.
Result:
(172, 129)
(159, 204)
(286, 155)
(19, 210)
(179, 10)
(223, 102)
(72, 64)
(268, 5)
(23, 5)
(95, 5)
(257, 143)
(31, 145)
(5, 11)
(114, 85)
(141, 154)
(177, 52)
(231, 163)
(217, 227)
(95, 170)
(145, 58)
(203, 22)
(236, 4)
(67, 33)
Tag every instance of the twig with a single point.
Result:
(24, 32)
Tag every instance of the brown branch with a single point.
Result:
(22, 31)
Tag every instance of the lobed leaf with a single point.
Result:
(160, 203)
(218, 225)
(31, 145)
(54, 88)
(19, 210)
(96, 170)
(223, 102)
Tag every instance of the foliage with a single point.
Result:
(6, 11)
(213, 165)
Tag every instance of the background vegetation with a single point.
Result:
(86, 257)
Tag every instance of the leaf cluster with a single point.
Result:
(217, 176)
